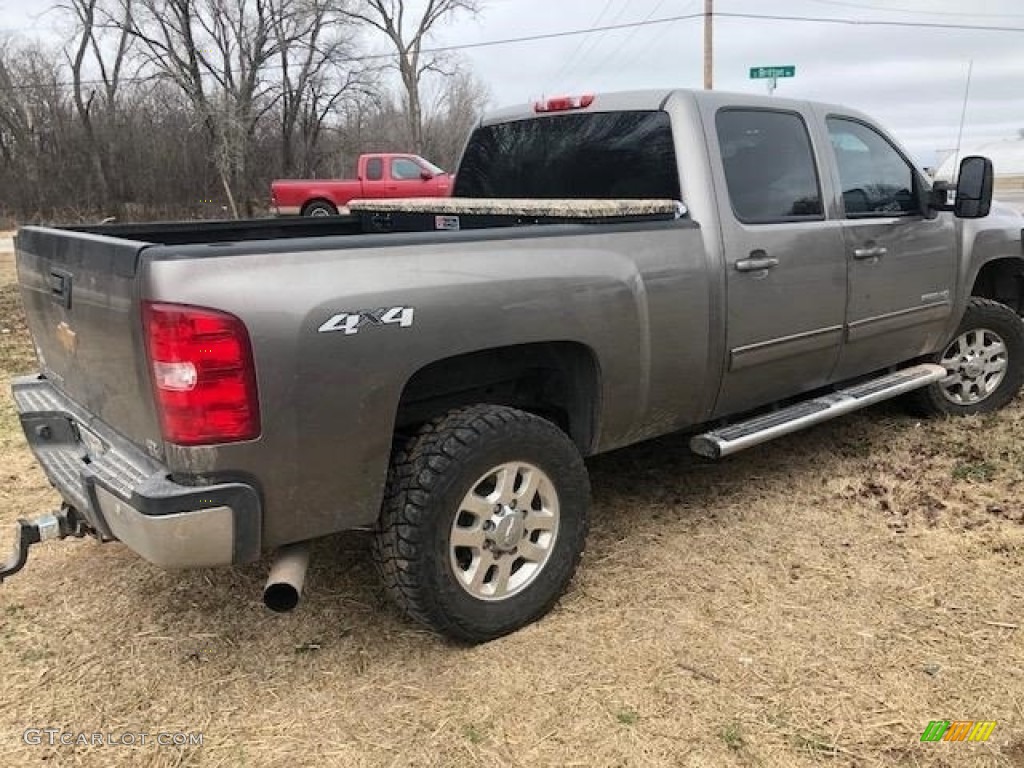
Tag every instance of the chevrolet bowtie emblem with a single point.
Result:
(67, 338)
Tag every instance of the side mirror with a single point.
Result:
(974, 188)
(426, 175)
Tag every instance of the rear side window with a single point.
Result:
(876, 180)
(374, 169)
(599, 155)
(769, 166)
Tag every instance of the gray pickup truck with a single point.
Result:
(611, 268)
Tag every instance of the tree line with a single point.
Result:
(169, 108)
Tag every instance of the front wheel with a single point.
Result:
(984, 363)
(484, 521)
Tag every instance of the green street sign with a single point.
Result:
(762, 73)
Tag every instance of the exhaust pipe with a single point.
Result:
(287, 575)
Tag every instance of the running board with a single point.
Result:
(760, 429)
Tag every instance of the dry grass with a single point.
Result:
(812, 602)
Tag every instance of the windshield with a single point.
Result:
(603, 155)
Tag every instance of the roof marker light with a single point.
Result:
(564, 103)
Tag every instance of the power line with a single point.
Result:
(436, 49)
(593, 43)
(629, 25)
(873, 22)
(930, 12)
(652, 44)
(683, 17)
(583, 41)
(615, 51)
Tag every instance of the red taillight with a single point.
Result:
(203, 374)
(564, 103)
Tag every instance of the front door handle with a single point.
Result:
(757, 264)
(875, 252)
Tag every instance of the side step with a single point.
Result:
(761, 429)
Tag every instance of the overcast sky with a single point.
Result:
(911, 79)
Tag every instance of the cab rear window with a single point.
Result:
(603, 155)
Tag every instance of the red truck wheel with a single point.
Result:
(319, 208)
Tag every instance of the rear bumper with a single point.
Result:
(123, 494)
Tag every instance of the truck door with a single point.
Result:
(407, 179)
(374, 185)
(785, 261)
(901, 263)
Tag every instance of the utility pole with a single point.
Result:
(709, 55)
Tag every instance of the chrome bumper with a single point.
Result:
(121, 493)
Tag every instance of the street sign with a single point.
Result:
(763, 73)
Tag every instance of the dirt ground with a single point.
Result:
(812, 602)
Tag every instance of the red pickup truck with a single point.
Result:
(379, 175)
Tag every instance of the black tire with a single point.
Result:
(431, 475)
(319, 208)
(999, 319)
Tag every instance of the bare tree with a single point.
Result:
(15, 122)
(318, 74)
(35, 124)
(87, 48)
(456, 109)
(408, 38)
(218, 52)
(187, 108)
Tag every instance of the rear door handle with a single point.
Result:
(875, 252)
(756, 265)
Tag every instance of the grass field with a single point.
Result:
(812, 602)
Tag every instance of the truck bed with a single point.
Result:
(290, 281)
(377, 216)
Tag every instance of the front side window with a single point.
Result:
(404, 169)
(769, 166)
(596, 155)
(374, 169)
(876, 180)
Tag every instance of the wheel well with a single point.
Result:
(314, 201)
(559, 381)
(1002, 280)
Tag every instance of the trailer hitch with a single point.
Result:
(56, 525)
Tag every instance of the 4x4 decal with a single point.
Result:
(350, 322)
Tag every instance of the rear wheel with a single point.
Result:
(484, 521)
(319, 208)
(984, 363)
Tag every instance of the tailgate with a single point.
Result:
(82, 309)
